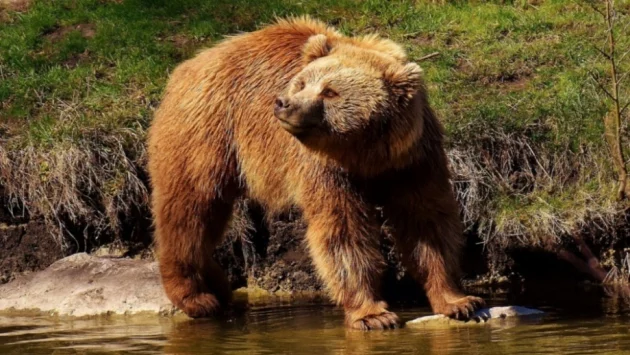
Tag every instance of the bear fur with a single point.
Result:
(296, 114)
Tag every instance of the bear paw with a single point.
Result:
(199, 305)
(375, 319)
(385, 320)
(462, 308)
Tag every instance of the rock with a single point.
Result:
(84, 285)
(481, 316)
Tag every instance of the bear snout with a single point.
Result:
(282, 103)
(282, 108)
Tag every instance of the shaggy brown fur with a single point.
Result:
(352, 130)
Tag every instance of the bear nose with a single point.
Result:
(281, 103)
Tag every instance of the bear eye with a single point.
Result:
(300, 85)
(329, 93)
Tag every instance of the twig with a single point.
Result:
(429, 56)
(606, 55)
(411, 34)
(601, 86)
(597, 10)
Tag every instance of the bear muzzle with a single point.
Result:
(298, 118)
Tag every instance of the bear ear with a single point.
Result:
(316, 46)
(404, 81)
(382, 45)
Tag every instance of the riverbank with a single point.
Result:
(81, 79)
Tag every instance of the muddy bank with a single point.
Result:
(268, 253)
(26, 244)
(262, 253)
(259, 253)
(86, 285)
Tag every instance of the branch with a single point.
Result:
(624, 108)
(606, 55)
(623, 56)
(581, 265)
(411, 34)
(591, 260)
(429, 56)
(597, 10)
(589, 265)
(601, 86)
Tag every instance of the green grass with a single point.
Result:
(511, 84)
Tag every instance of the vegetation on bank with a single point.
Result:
(79, 80)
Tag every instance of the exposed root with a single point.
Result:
(590, 265)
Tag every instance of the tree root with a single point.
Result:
(589, 265)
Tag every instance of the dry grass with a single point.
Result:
(516, 194)
(92, 183)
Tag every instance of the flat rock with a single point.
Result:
(85, 285)
(481, 316)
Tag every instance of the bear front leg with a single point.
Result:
(343, 241)
(437, 257)
(429, 235)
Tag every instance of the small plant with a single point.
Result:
(613, 123)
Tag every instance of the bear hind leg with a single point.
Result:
(188, 229)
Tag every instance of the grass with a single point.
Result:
(81, 78)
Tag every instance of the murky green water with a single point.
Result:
(576, 323)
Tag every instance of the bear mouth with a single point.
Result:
(296, 129)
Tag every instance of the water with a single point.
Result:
(577, 322)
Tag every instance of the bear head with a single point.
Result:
(354, 94)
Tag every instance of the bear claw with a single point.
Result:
(385, 320)
(463, 308)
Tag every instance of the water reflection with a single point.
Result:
(317, 329)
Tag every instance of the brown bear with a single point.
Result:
(297, 114)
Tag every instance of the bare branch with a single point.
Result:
(411, 34)
(624, 108)
(623, 56)
(429, 56)
(597, 10)
(606, 55)
(601, 86)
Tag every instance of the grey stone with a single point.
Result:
(481, 316)
(85, 285)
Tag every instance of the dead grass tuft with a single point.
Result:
(15, 5)
(516, 195)
(94, 182)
